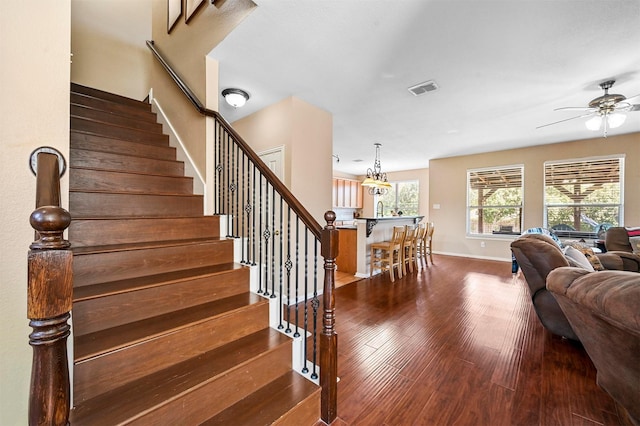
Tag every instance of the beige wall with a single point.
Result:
(34, 111)
(306, 132)
(108, 45)
(448, 188)
(185, 48)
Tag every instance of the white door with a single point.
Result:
(274, 159)
(270, 221)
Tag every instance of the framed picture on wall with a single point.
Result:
(192, 8)
(174, 10)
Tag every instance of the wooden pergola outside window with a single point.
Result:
(495, 200)
(583, 196)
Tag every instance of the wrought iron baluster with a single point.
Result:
(297, 309)
(289, 266)
(236, 211)
(306, 287)
(253, 208)
(273, 243)
(260, 220)
(266, 235)
(314, 304)
(228, 186)
(280, 291)
(216, 164)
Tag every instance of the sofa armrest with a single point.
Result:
(604, 311)
(620, 260)
(611, 261)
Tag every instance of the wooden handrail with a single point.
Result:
(279, 186)
(49, 296)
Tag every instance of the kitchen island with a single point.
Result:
(375, 229)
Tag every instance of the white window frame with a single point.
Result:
(546, 205)
(395, 183)
(470, 207)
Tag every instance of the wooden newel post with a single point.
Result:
(329, 337)
(49, 296)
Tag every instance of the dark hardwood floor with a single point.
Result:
(458, 343)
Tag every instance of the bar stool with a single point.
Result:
(424, 245)
(388, 254)
(409, 249)
(421, 230)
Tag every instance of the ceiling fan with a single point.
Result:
(608, 110)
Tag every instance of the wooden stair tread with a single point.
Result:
(115, 338)
(80, 133)
(142, 245)
(144, 394)
(126, 155)
(133, 284)
(108, 96)
(114, 124)
(148, 117)
(267, 404)
(132, 172)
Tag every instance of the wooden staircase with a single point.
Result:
(165, 328)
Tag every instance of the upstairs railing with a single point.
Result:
(49, 294)
(282, 240)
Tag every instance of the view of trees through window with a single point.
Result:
(494, 200)
(583, 196)
(402, 197)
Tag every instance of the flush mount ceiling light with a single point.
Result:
(235, 97)
(376, 181)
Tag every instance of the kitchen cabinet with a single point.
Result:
(347, 193)
(347, 250)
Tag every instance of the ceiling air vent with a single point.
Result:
(422, 88)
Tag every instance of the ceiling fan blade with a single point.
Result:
(631, 97)
(576, 109)
(566, 119)
(635, 107)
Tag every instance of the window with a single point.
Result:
(494, 200)
(402, 197)
(583, 197)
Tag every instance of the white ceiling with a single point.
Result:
(502, 68)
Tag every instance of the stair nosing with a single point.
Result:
(125, 100)
(151, 115)
(130, 172)
(95, 291)
(128, 155)
(181, 320)
(108, 123)
(112, 248)
(97, 191)
(165, 143)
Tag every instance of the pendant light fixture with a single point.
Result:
(376, 180)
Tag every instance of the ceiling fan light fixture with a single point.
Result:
(594, 123)
(235, 97)
(616, 120)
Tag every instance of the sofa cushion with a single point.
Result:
(588, 253)
(577, 258)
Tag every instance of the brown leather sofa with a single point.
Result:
(603, 309)
(616, 240)
(538, 255)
